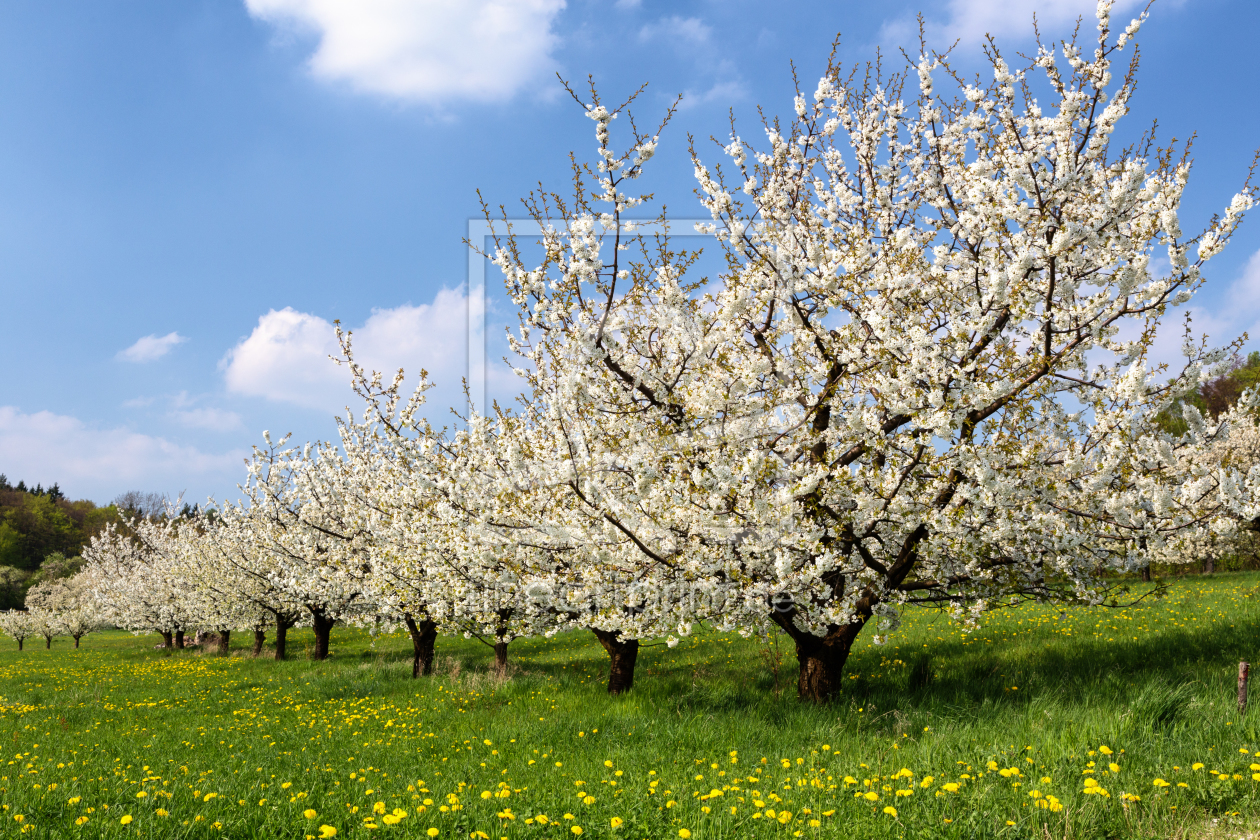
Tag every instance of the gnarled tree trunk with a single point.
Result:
(48, 642)
(260, 636)
(821, 658)
(423, 637)
(225, 637)
(622, 654)
(19, 641)
(323, 626)
(179, 639)
(500, 660)
(282, 637)
(76, 641)
(167, 641)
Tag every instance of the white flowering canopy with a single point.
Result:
(922, 375)
(130, 569)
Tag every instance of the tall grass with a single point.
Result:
(1034, 688)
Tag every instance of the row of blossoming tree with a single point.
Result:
(923, 376)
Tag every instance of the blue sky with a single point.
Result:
(190, 192)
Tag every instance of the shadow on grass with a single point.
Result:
(1166, 668)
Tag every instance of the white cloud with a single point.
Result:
(970, 20)
(722, 93)
(214, 419)
(1235, 311)
(677, 28)
(286, 357)
(716, 79)
(425, 50)
(100, 463)
(151, 347)
(1244, 294)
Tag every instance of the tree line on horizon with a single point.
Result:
(43, 533)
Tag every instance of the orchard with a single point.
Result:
(920, 389)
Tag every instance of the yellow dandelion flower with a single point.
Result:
(310, 813)
(890, 810)
(126, 819)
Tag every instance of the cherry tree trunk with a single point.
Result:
(423, 637)
(225, 637)
(167, 641)
(19, 641)
(282, 636)
(260, 636)
(323, 631)
(622, 654)
(48, 642)
(76, 642)
(179, 639)
(1146, 574)
(500, 660)
(821, 658)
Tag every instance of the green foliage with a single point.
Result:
(36, 523)
(1215, 396)
(13, 585)
(57, 566)
(10, 545)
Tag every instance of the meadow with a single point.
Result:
(1042, 723)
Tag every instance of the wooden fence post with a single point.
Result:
(1244, 671)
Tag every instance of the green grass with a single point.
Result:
(1032, 689)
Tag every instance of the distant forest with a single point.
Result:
(1217, 395)
(42, 533)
